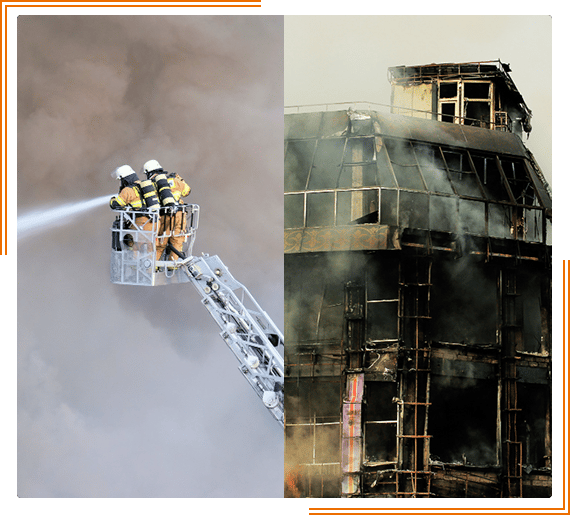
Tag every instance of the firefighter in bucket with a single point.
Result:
(137, 196)
(170, 188)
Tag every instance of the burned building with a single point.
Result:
(418, 293)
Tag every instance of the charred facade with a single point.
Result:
(418, 298)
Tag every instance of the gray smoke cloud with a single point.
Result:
(129, 391)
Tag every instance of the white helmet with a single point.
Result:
(122, 171)
(151, 166)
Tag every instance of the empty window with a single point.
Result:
(320, 207)
(448, 90)
(327, 164)
(404, 164)
(448, 112)
(462, 177)
(476, 90)
(462, 420)
(443, 214)
(294, 211)
(298, 159)
(490, 177)
(477, 114)
(380, 422)
(467, 314)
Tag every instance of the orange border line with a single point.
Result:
(565, 383)
(217, 3)
(4, 198)
(397, 511)
(93, 2)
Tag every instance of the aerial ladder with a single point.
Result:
(248, 331)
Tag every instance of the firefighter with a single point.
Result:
(130, 195)
(170, 188)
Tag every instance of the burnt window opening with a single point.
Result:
(364, 206)
(519, 182)
(404, 164)
(380, 422)
(330, 326)
(313, 400)
(389, 207)
(382, 321)
(357, 176)
(327, 164)
(462, 176)
(413, 209)
(534, 425)
(477, 114)
(385, 174)
(304, 299)
(448, 113)
(463, 302)
(433, 168)
(480, 90)
(381, 278)
(500, 221)
(466, 102)
(359, 150)
(534, 228)
(443, 214)
(531, 316)
(490, 177)
(317, 481)
(448, 90)
(294, 211)
(463, 420)
(320, 209)
(472, 217)
(313, 460)
(298, 160)
(343, 207)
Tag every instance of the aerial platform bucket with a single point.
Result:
(134, 236)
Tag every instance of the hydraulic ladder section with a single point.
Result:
(245, 327)
(247, 330)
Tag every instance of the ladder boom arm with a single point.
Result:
(247, 330)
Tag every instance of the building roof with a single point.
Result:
(336, 123)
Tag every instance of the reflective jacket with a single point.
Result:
(179, 187)
(129, 195)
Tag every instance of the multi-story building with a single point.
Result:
(418, 293)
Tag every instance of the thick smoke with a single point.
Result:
(129, 391)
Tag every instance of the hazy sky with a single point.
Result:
(331, 59)
(128, 391)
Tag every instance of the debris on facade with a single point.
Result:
(418, 294)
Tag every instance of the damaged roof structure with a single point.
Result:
(418, 294)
